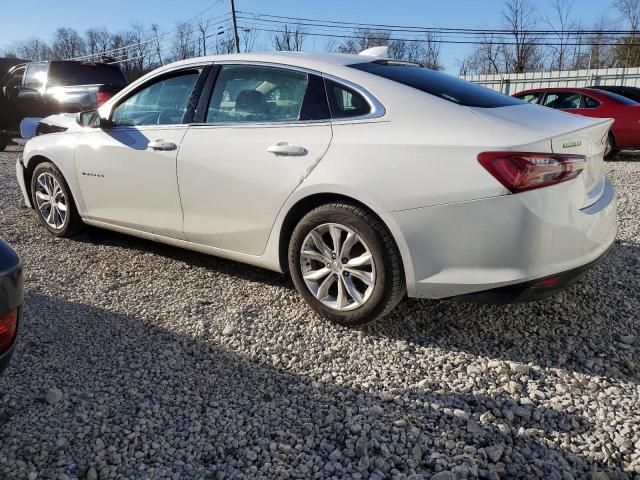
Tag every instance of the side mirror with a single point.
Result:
(92, 119)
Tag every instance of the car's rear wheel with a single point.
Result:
(53, 201)
(345, 264)
(4, 141)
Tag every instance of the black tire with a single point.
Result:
(72, 224)
(4, 141)
(389, 287)
(611, 150)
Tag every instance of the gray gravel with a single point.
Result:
(139, 360)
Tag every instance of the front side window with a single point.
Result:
(562, 100)
(164, 102)
(345, 102)
(254, 93)
(14, 81)
(530, 97)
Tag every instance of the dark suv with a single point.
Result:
(40, 89)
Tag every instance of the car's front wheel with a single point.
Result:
(345, 264)
(4, 141)
(53, 202)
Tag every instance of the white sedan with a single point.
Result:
(363, 177)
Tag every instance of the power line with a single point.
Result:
(410, 29)
(439, 41)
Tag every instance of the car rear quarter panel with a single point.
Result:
(422, 152)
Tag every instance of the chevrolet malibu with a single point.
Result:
(362, 177)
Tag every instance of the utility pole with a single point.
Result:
(235, 27)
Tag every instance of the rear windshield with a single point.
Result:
(77, 73)
(439, 84)
(618, 98)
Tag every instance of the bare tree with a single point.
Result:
(364, 38)
(155, 29)
(560, 24)
(91, 36)
(183, 44)
(33, 49)
(628, 49)
(248, 38)
(225, 42)
(68, 44)
(289, 39)
(519, 17)
(630, 11)
(486, 59)
(203, 25)
(139, 50)
(601, 56)
(432, 53)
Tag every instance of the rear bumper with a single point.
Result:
(469, 247)
(531, 291)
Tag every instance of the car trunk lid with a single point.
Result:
(567, 133)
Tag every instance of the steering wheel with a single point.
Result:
(167, 117)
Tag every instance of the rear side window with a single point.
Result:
(440, 84)
(36, 76)
(85, 73)
(254, 93)
(562, 100)
(345, 102)
(590, 102)
(530, 97)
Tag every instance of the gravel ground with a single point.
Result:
(139, 360)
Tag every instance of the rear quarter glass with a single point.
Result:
(85, 73)
(439, 84)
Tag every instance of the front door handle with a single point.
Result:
(162, 145)
(286, 149)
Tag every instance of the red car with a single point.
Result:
(592, 102)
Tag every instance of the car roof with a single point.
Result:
(555, 89)
(313, 61)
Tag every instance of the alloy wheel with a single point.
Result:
(337, 267)
(51, 201)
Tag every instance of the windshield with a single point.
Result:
(440, 84)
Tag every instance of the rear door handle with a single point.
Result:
(286, 149)
(162, 145)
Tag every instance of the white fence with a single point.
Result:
(510, 83)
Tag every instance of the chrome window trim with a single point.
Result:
(119, 100)
(377, 109)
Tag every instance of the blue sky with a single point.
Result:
(17, 24)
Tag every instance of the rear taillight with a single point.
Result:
(8, 327)
(519, 171)
(102, 97)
